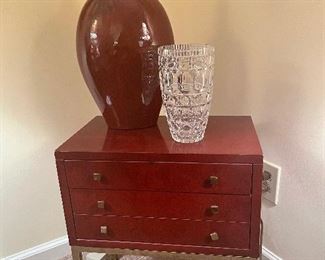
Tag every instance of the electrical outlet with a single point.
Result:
(271, 181)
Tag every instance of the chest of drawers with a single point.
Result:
(139, 190)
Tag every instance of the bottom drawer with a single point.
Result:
(164, 231)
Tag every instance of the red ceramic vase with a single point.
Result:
(117, 43)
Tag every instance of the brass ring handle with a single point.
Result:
(97, 176)
(103, 230)
(214, 209)
(100, 204)
(213, 180)
(214, 236)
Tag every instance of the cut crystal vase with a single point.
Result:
(186, 82)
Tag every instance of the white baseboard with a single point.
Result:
(53, 246)
(30, 252)
(269, 254)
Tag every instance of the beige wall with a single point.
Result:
(43, 102)
(269, 63)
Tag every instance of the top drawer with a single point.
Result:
(159, 176)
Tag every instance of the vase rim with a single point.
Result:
(186, 49)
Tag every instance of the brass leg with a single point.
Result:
(76, 254)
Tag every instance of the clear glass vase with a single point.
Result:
(186, 82)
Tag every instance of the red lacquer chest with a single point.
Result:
(140, 190)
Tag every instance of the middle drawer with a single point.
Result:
(161, 204)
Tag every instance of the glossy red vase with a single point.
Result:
(117, 43)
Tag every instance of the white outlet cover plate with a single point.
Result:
(275, 170)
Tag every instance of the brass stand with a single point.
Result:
(114, 253)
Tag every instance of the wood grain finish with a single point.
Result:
(155, 194)
(163, 231)
(179, 177)
(162, 204)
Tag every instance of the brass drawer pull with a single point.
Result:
(101, 204)
(214, 209)
(103, 230)
(214, 236)
(97, 176)
(213, 180)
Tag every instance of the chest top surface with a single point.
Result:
(227, 139)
